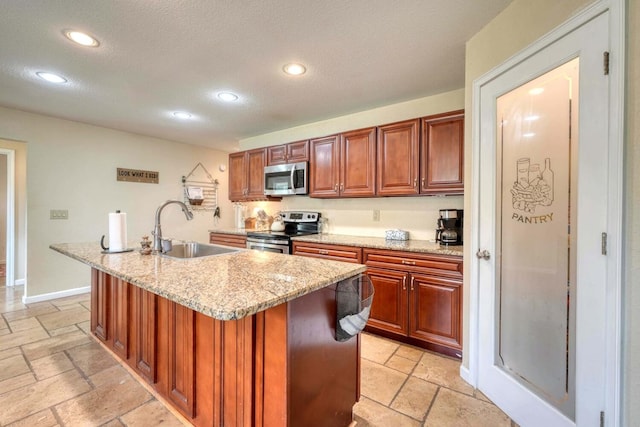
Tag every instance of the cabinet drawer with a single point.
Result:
(237, 241)
(440, 265)
(334, 252)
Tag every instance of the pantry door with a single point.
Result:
(542, 205)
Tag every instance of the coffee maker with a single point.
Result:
(449, 231)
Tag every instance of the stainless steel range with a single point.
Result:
(296, 223)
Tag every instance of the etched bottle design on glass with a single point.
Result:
(547, 181)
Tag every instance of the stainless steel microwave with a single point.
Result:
(286, 180)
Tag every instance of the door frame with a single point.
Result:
(615, 197)
(10, 244)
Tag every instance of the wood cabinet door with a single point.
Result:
(100, 304)
(120, 291)
(256, 160)
(390, 305)
(398, 158)
(435, 313)
(145, 327)
(335, 252)
(237, 176)
(443, 154)
(298, 152)
(324, 167)
(181, 362)
(358, 163)
(276, 155)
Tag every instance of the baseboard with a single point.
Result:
(465, 374)
(55, 295)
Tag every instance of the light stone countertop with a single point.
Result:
(225, 287)
(420, 246)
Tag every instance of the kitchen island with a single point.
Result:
(241, 339)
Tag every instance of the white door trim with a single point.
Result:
(615, 196)
(10, 243)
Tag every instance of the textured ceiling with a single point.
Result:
(160, 56)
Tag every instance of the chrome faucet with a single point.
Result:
(157, 230)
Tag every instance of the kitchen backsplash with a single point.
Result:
(355, 217)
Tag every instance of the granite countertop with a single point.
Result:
(225, 287)
(420, 246)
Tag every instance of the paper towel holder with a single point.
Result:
(105, 249)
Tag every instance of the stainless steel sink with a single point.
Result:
(197, 250)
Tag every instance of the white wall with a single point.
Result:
(73, 166)
(354, 216)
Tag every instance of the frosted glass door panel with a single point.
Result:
(536, 265)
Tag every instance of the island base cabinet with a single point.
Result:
(279, 367)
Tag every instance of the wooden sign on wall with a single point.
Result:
(137, 175)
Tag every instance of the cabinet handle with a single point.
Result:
(335, 188)
(412, 278)
(422, 182)
(341, 187)
(323, 252)
(405, 262)
(415, 182)
(404, 283)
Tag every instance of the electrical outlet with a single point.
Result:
(376, 215)
(58, 214)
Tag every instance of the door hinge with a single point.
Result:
(605, 60)
(601, 418)
(604, 243)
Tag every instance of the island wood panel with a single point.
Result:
(144, 328)
(278, 367)
(120, 315)
(100, 304)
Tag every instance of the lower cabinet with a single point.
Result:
(235, 240)
(418, 299)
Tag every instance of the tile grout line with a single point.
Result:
(433, 401)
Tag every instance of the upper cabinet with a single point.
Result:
(414, 157)
(398, 158)
(343, 165)
(246, 175)
(442, 158)
(288, 153)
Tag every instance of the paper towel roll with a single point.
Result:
(117, 232)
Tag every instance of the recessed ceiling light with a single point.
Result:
(50, 77)
(183, 115)
(294, 69)
(228, 96)
(532, 118)
(529, 135)
(81, 38)
(536, 91)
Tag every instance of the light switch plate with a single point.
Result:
(58, 214)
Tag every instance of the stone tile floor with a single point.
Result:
(53, 373)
